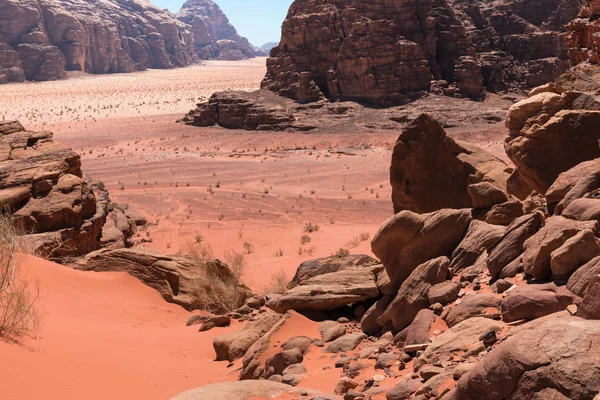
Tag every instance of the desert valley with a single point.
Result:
(398, 200)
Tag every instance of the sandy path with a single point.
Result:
(106, 336)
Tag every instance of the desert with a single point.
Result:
(399, 201)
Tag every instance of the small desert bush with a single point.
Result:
(19, 299)
(278, 283)
(342, 252)
(249, 247)
(305, 239)
(357, 240)
(217, 290)
(309, 227)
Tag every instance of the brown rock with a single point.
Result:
(412, 296)
(486, 195)
(234, 345)
(535, 360)
(330, 291)
(574, 253)
(535, 301)
(538, 248)
(407, 240)
(480, 237)
(241, 390)
(474, 305)
(419, 188)
(326, 265)
(510, 247)
(567, 180)
(505, 213)
(419, 331)
(590, 306)
(345, 343)
(580, 280)
(178, 279)
(583, 210)
(444, 293)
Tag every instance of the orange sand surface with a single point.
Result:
(106, 336)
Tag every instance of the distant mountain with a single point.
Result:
(214, 36)
(41, 39)
(269, 46)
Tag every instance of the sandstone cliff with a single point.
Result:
(41, 39)
(391, 52)
(583, 39)
(214, 36)
(63, 214)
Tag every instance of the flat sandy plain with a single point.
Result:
(251, 192)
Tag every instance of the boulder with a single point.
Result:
(587, 209)
(505, 213)
(580, 280)
(584, 187)
(404, 389)
(443, 293)
(407, 240)
(474, 305)
(590, 305)
(574, 253)
(418, 187)
(537, 250)
(234, 345)
(480, 237)
(567, 180)
(510, 246)
(486, 195)
(330, 291)
(419, 331)
(535, 301)
(550, 147)
(560, 354)
(192, 284)
(412, 296)
(327, 265)
(345, 343)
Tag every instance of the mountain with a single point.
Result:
(269, 46)
(41, 39)
(215, 37)
(391, 52)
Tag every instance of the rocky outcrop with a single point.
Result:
(389, 53)
(41, 39)
(192, 284)
(214, 36)
(583, 40)
(421, 186)
(41, 184)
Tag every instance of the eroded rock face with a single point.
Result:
(41, 183)
(41, 39)
(189, 283)
(389, 52)
(431, 171)
(214, 36)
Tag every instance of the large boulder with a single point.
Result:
(510, 246)
(535, 301)
(559, 357)
(326, 265)
(412, 296)
(330, 291)
(407, 240)
(538, 249)
(474, 305)
(431, 171)
(574, 253)
(190, 283)
(556, 196)
(580, 280)
(480, 237)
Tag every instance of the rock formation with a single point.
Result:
(41, 183)
(214, 36)
(41, 39)
(389, 53)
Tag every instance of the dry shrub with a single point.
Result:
(278, 283)
(342, 252)
(357, 240)
(218, 289)
(19, 300)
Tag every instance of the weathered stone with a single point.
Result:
(480, 237)
(327, 265)
(574, 253)
(581, 279)
(534, 301)
(444, 293)
(474, 305)
(345, 343)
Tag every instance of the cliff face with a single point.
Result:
(584, 36)
(41, 39)
(390, 52)
(215, 37)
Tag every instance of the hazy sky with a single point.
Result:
(258, 20)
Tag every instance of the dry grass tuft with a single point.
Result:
(19, 300)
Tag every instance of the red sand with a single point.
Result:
(106, 336)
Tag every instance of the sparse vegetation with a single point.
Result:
(310, 227)
(278, 283)
(249, 247)
(305, 239)
(19, 299)
(357, 240)
(341, 252)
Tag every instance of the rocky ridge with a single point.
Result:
(214, 36)
(63, 214)
(40, 40)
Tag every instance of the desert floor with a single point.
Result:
(250, 192)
